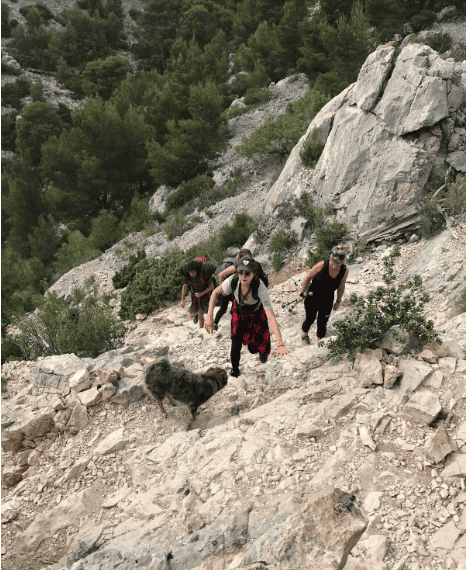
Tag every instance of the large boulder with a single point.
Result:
(370, 170)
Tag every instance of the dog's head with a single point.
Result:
(220, 376)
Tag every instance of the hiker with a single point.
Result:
(199, 279)
(327, 276)
(224, 273)
(250, 315)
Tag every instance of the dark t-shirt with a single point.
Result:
(197, 284)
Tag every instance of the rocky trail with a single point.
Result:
(94, 478)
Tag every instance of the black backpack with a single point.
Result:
(227, 262)
(207, 271)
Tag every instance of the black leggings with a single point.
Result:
(235, 352)
(320, 307)
(224, 301)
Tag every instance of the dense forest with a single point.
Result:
(80, 181)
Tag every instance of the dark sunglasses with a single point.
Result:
(245, 273)
(338, 256)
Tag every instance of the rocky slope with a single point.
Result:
(94, 478)
(304, 462)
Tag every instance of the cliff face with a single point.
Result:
(383, 136)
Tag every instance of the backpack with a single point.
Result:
(207, 271)
(227, 262)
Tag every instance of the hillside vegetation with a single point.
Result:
(80, 181)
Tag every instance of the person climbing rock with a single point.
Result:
(251, 314)
(323, 280)
(199, 279)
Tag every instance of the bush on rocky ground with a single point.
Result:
(280, 135)
(12, 93)
(128, 272)
(452, 200)
(312, 149)
(84, 324)
(380, 311)
(327, 237)
(189, 190)
(279, 245)
(155, 281)
(150, 282)
(463, 301)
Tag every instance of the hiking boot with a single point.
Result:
(263, 358)
(305, 340)
(235, 373)
(196, 318)
(215, 327)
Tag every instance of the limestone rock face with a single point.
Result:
(318, 537)
(30, 423)
(369, 169)
(413, 99)
(372, 77)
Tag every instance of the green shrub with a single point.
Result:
(423, 20)
(44, 12)
(159, 281)
(140, 216)
(380, 311)
(236, 234)
(312, 149)
(277, 262)
(189, 190)
(10, 350)
(463, 301)
(431, 220)
(361, 248)
(440, 42)
(135, 14)
(159, 217)
(237, 111)
(126, 274)
(150, 282)
(77, 250)
(280, 135)
(254, 96)
(12, 93)
(209, 213)
(56, 330)
(4, 384)
(281, 242)
(455, 197)
(6, 25)
(176, 225)
(8, 133)
(105, 231)
(30, 47)
(9, 69)
(327, 237)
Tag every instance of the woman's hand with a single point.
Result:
(182, 303)
(209, 323)
(198, 295)
(336, 305)
(282, 350)
(299, 298)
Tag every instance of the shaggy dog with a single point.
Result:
(177, 383)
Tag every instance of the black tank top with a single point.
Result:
(324, 285)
